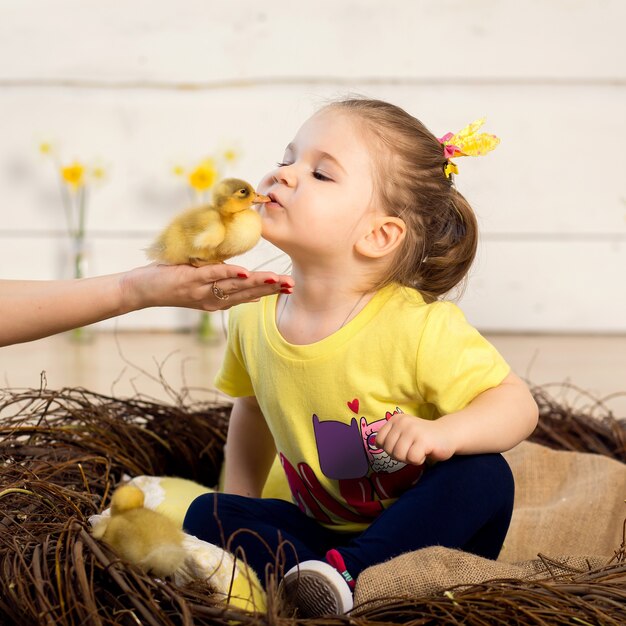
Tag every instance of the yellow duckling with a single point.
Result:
(141, 536)
(215, 232)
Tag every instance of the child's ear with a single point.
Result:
(386, 234)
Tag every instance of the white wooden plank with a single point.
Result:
(199, 42)
(556, 171)
(548, 286)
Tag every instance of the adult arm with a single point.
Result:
(33, 309)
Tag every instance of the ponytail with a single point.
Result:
(450, 242)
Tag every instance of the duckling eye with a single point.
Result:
(243, 192)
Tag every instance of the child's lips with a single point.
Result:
(274, 203)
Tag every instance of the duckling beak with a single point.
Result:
(260, 199)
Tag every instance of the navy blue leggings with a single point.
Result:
(465, 503)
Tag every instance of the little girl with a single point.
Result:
(386, 408)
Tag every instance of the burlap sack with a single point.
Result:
(566, 503)
(431, 571)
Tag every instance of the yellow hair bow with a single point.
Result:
(467, 142)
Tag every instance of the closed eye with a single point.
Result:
(320, 176)
(316, 174)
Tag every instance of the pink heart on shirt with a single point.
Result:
(354, 405)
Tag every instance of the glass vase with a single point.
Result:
(80, 262)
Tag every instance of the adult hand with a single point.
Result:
(207, 288)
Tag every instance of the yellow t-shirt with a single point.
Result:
(324, 402)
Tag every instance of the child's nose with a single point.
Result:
(285, 175)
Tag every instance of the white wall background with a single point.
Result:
(140, 85)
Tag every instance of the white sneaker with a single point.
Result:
(316, 588)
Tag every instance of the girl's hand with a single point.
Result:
(192, 287)
(411, 439)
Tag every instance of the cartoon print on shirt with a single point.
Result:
(379, 460)
(365, 473)
(339, 449)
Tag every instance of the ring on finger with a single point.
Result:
(218, 292)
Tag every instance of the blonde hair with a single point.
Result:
(442, 232)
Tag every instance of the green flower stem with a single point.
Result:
(206, 332)
(82, 211)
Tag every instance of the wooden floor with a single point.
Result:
(161, 365)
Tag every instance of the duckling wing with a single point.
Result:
(164, 560)
(211, 233)
(243, 232)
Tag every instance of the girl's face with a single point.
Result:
(322, 191)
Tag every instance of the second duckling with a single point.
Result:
(141, 536)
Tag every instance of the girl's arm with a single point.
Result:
(495, 421)
(34, 309)
(250, 449)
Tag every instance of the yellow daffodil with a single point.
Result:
(73, 174)
(230, 155)
(75, 177)
(204, 176)
(98, 172)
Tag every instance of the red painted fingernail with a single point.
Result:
(270, 281)
(286, 285)
(242, 275)
(288, 291)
